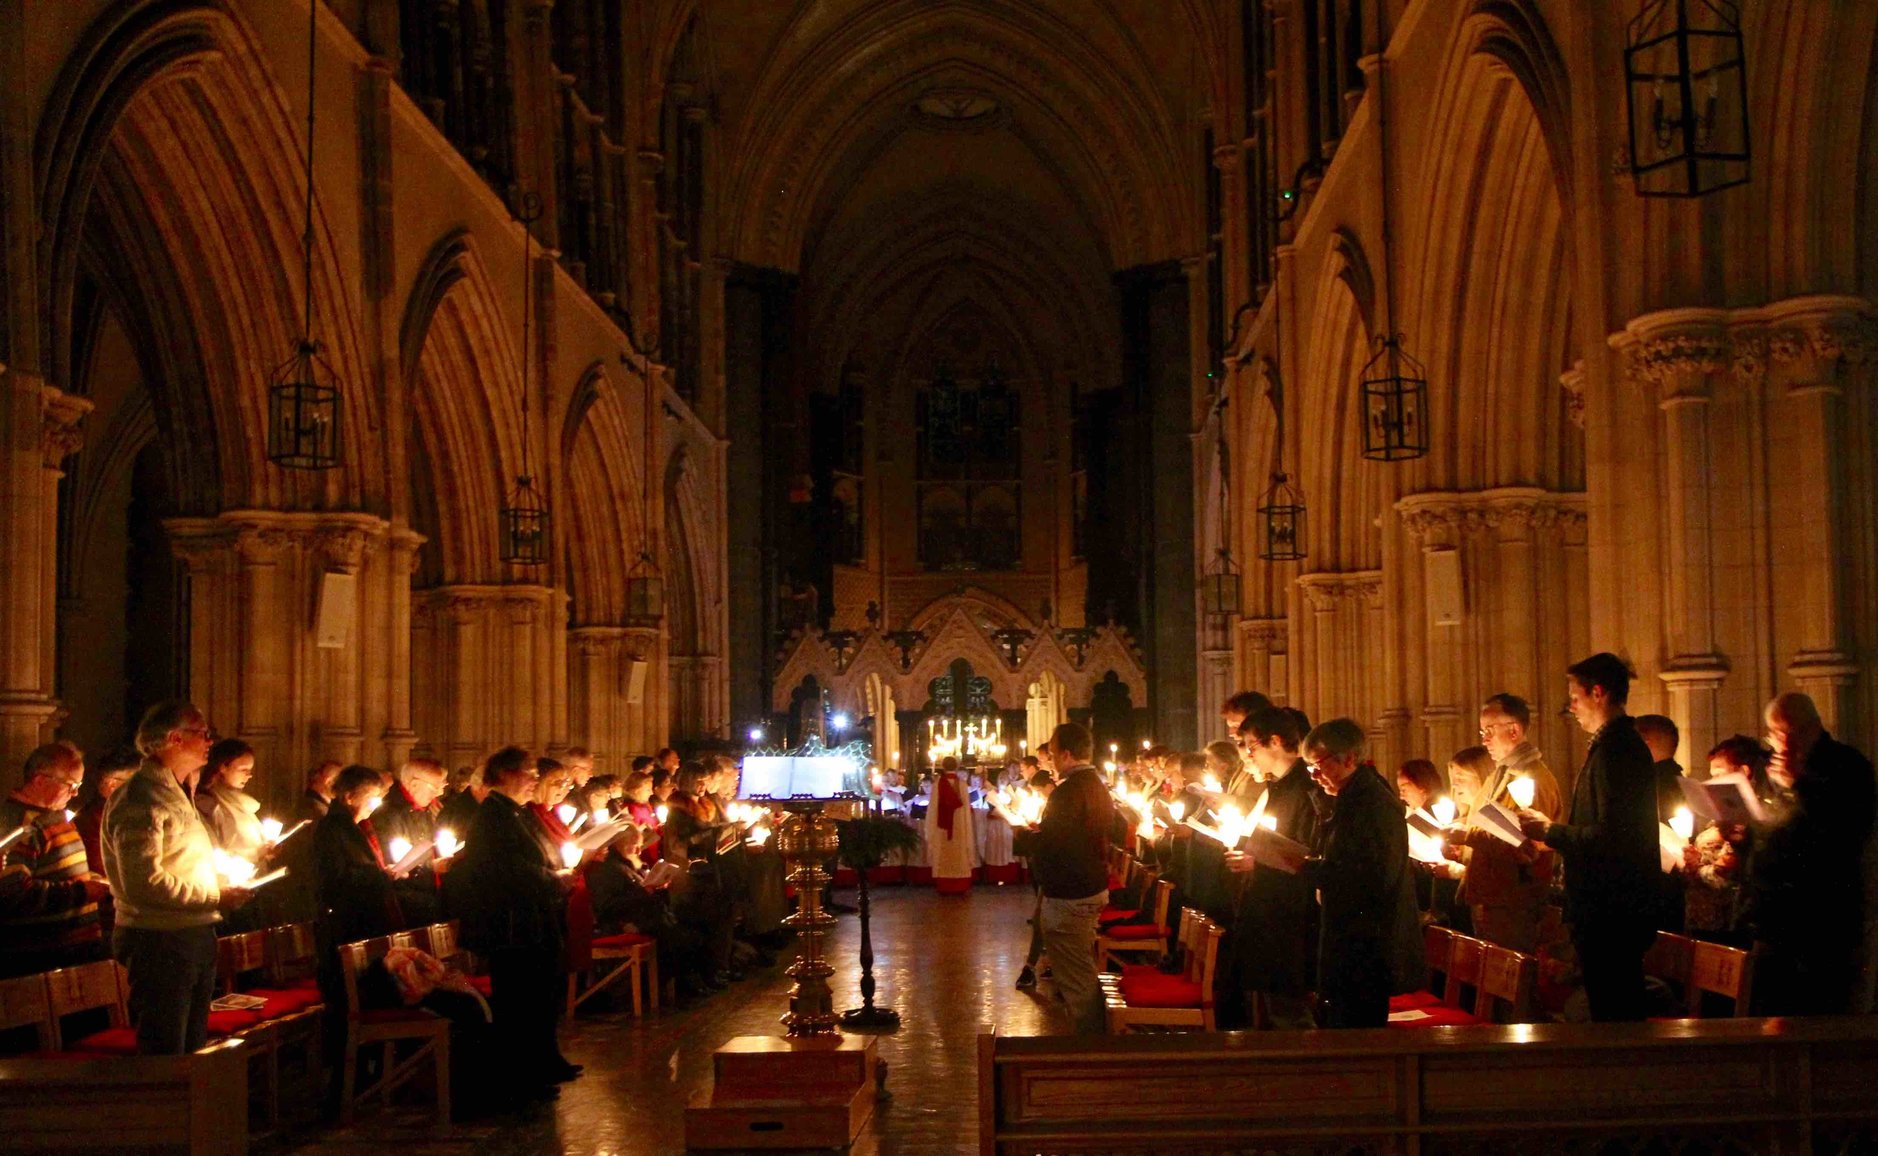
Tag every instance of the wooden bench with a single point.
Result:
(196, 1103)
(1737, 1085)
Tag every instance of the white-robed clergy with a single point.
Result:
(951, 836)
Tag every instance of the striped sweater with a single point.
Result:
(43, 908)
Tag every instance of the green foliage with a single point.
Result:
(868, 841)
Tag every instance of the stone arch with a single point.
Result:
(167, 139)
(1344, 493)
(605, 503)
(464, 389)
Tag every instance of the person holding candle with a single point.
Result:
(411, 813)
(510, 900)
(1068, 853)
(49, 899)
(1505, 886)
(1274, 925)
(161, 867)
(1608, 842)
(551, 827)
(354, 892)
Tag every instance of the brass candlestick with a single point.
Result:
(806, 840)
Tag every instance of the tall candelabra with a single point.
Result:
(806, 840)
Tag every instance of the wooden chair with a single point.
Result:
(236, 956)
(1669, 958)
(91, 985)
(1114, 944)
(1146, 998)
(1437, 945)
(23, 1004)
(1719, 970)
(386, 1028)
(627, 955)
(1465, 956)
(292, 956)
(1507, 987)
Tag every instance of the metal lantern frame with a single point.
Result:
(1282, 521)
(303, 430)
(1219, 586)
(645, 592)
(1686, 96)
(1395, 404)
(525, 525)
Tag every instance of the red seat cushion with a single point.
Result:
(227, 1023)
(1160, 991)
(623, 939)
(1437, 1017)
(1413, 1000)
(480, 983)
(284, 1001)
(1136, 931)
(1137, 969)
(109, 1042)
(1117, 914)
(1115, 883)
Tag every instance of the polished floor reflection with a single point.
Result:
(947, 965)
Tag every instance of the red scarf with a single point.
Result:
(948, 799)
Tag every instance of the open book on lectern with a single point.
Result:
(781, 777)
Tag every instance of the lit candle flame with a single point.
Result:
(1522, 790)
(1443, 811)
(447, 843)
(662, 812)
(759, 836)
(1177, 810)
(270, 830)
(398, 848)
(1210, 782)
(1683, 823)
(601, 815)
(570, 855)
(1146, 829)
(566, 812)
(233, 869)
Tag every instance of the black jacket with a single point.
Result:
(354, 894)
(1275, 927)
(1613, 871)
(1369, 926)
(397, 818)
(1069, 850)
(501, 886)
(1805, 895)
(458, 812)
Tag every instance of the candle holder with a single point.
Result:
(806, 840)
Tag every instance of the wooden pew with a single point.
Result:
(1758, 1085)
(196, 1103)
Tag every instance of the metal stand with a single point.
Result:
(806, 840)
(867, 1017)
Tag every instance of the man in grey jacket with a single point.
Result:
(161, 865)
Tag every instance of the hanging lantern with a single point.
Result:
(1395, 404)
(645, 593)
(1219, 586)
(303, 412)
(525, 525)
(1281, 522)
(1687, 89)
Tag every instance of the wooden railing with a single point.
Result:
(1749, 1086)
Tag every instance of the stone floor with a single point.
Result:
(946, 965)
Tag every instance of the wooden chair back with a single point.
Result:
(1719, 970)
(291, 954)
(1508, 983)
(354, 958)
(1669, 959)
(1208, 969)
(416, 939)
(1465, 956)
(236, 955)
(23, 1003)
(1437, 944)
(81, 988)
(443, 941)
(1163, 898)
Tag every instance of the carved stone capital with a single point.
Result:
(1439, 520)
(1326, 590)
(1676, 352)
(1572, 381)
(62, 425)
(1265, 633)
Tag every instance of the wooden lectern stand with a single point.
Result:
(773, 1092)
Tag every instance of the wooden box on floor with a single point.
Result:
(771, 1092)
(196, 1103)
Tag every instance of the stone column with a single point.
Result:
(1262, 643)
(1677, 353)
(1436, 523)
(39, 429)
(1819, 346)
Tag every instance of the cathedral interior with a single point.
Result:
(415, 377)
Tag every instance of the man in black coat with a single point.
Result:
(1613, 872)
(410, 812)
(1274, 929)
(1805, 896)
(512, 906)
(1369, 931)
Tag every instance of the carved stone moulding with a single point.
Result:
(1679, 351)
(338, 540)
(62, 424)
(1439, 519)
(1326, 590)
(1265, 633)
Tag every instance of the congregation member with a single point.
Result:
(49, 898)
(511, 904)
(1505, 886)
(161, 867)
(1068, 853)
(553, 835)
(1417, 783)
(412, 811)
(106, 775)
(951, 838)
(459, 807)
(319, 790)
(1805, 897)
(1369, 929)
(355, 894)
(1235, 710)
(624, 900)
(1608, 842)
(1274, 926)
(232, 815)
(1662, 736)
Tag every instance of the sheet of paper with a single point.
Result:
(601, 834)
(1499, 822)
(1670, 845)
(1409, 1016)
(264, 880)
(1274, 850)
(1425, 824)
(662, 873)
(12, 837)
(1210, 831)
(411, 859)
(1725, 799)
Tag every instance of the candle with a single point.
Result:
(270, 830)
(661, 812)
(373, 803)
(567, 811)
(759, 836)
(1146, 829)
(447, 843)
(570, 855)
(1443, 811)
(1023, 746)
(1683, 823)
(1177, 810)
(1113, 747)
(1522, 790)
(1146, 743)
(601, 815)
(233, 869)
(1269, 822)
(1210, 782)
(398, 848)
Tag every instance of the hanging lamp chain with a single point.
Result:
(306, 232)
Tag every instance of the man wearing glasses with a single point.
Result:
(48, 896)
(161, 865)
